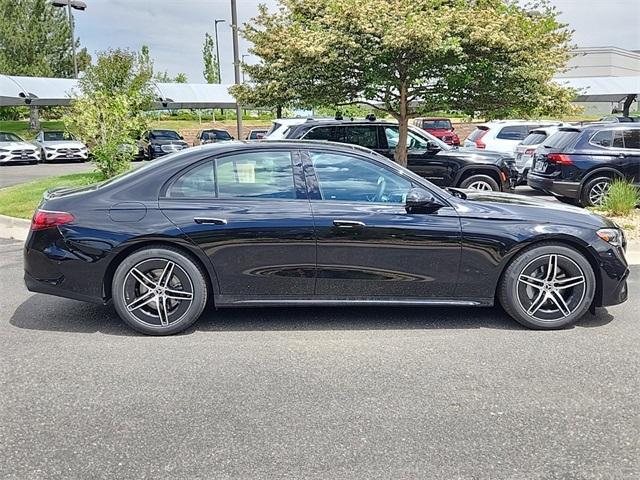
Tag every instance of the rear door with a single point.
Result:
(629, 155)
(250, 214)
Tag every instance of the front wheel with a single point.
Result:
(480, 182)
(547, 287)
(159, 290)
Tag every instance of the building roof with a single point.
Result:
(602, 89)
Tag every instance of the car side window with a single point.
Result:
(618, 140)
(321, 133)
(363, 135)
(414, 142)
(265, 174)
(198, 182)
(513, 132)
(602, 138)
(342, 177)
(631, 138)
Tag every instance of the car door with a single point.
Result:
(368, 245)
(627, 140)
(250, 214)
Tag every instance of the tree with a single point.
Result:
(164, 77)
(405, 57)
(109, 113)
(210, 59)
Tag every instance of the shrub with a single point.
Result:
(622, 198)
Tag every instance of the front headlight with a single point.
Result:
(612, 236)
(51, 149)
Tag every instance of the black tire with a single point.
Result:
(589, 190)
(518, 295)
(485, 180)
(181, 296)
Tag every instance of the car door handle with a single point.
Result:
(210, 221)
(348, 223)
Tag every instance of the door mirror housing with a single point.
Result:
(181, 137)
(421, 201)
(433, 147)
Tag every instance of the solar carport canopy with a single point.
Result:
(602, 89)
(60, 91)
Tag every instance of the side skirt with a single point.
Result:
(266, 300)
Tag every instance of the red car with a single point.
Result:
(440, 128)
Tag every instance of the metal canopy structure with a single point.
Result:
(602, 89)
(41, 91)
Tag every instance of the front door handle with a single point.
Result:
(348, 223)
(210, 221)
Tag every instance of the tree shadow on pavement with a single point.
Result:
(46, 313)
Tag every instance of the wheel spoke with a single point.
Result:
(531, 281)
(141, 301)
(166, 274)
(560, 303)
(569, 282)
(161, 305)
(143, 278)
(178, 294)
(537, 303)
(552, 268)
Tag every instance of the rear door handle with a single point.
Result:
(348, 223)
(210, 221)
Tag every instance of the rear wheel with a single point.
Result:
(159, 291)
(595, 191)
(547, 287)
(480, 182)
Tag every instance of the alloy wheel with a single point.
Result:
(598, 192)
(480, 185)
(551, 287)
(158, 292)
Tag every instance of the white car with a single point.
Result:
(13, 149)
(59, 145)
(503, 135)
(527, 148)
(279, 127)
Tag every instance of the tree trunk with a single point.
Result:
(34, 118)
(403, 129)
(627, 104)
(278, 112)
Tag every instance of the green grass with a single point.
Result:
(21, 127)
(622, 198)
(21, 200)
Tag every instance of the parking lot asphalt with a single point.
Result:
(348, 393)
(15, 174)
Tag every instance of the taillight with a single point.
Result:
(530, 151)
(479, 142)
(46, 219)
(559, 159)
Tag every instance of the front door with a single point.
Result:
(368, 245)
(250, 214)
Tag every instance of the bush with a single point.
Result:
(622, 198)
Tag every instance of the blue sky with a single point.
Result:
(174, 29)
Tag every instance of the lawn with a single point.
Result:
(21, 200)
(21, 127)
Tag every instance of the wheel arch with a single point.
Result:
(600, 171)
(470, 170)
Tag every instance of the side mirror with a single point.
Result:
(421, 201)
(433, 147)
(232, 137)
(181, 137)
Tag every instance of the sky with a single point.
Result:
(174, 29)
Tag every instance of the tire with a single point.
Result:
(150, 154)
(532, 301)
(182, 296)
(480, 182)
(592, 188)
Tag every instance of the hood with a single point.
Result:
(63, 144)
(20, 145)
(157, 141)
(500, 205)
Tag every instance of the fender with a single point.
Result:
(477, 167)
(609, 171)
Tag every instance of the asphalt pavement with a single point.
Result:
(20, 173)
(322, 393)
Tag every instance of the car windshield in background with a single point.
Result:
(57, 136)
(534, 138)
(216, 135)
(562, 139)
(9, 137)
(165, 135)
(437, 124)
(477, 133)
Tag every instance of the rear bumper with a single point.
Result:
(555, 187)
(52, 287)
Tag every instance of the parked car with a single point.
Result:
(135, 149)
(503, 135)
(313, 223)
(579, 164)
(525, 150)
(212, 135)
(60, 145)
(14, 149)
(257, 134)
(157, 143)
(619, 119)
(440, 128)
(429, 157)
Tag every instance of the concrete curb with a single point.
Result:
(18, 229)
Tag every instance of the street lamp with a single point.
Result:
(78, 5)
(215, 28)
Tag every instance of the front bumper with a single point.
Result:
(69, 154)
(19, 156)
(555, 187)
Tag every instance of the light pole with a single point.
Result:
(215, 29)
(78, 5)
(236, 61)
(244, 55)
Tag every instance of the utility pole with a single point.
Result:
(236, 61)
(215, 29)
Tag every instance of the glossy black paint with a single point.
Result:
(273, 251)
(441, 164)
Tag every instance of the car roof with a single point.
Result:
(214, 130)
(610, 125)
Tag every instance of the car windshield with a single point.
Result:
(9, 137)
(418, 132)
(437, 124)
(216, 135)
(57, 136)
(165, 135)
(534, 138)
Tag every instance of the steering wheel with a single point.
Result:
(382, 186)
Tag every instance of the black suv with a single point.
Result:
(578, 164)
(157, 143)
(442, 164)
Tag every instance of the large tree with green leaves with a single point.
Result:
(108, 113)
(406, 57)
(210, 60)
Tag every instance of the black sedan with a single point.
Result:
(314, 223)
(157, 143)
